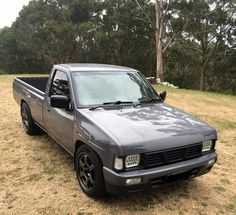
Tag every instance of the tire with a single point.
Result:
(89, 173)
(28, 123)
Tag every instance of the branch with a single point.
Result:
(144, 13)
(166, 9)
(175, 36)
(205, 31)
(212, 38)
(163, 13)
(190, 47)
(144, 20)
(211, 54)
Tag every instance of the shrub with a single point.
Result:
(167, 84)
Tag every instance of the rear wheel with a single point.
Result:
(89, 172)
(28, 123)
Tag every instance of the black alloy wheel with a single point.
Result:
(86, 171)
(89, 172)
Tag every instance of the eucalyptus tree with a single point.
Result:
(209, 24)
(8, 51)
(121, 38)
(168, 27)
(54, 31)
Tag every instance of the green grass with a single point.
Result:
(234, 199)
(225, 181)
(219, 188)
(2, 179)
(84, 213)
(231, 207)
(225, 124)
(34, 177)
(49, 167)
(160, 88)
(218, 122)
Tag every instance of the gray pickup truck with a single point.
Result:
(110, 119)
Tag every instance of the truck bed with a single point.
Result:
(32, 91)
(39, 83)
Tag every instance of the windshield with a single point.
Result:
(97, 88)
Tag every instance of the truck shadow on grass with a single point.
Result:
(168, 195)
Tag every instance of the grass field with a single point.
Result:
(37, 175)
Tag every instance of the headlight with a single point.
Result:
(207, 145)
(132, 160)
(118, 163)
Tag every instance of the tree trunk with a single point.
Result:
(159, 62)
(159, 37)
(162, 7)
(202, 77)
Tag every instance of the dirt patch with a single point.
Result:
(37, 175)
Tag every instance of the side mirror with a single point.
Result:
(163, 95)
(58, 101)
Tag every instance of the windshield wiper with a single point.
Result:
(110, 103)
(117, 103)
(147, 101)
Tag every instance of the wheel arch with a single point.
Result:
(80, 143)
(22, 102)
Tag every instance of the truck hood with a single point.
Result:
(153, 127)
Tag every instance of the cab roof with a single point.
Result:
(83, 67)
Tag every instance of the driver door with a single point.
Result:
(59, 122)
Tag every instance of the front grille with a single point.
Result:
(160, 158)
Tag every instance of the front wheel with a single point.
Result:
(89, 172)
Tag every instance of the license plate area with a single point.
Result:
(176, 176)
(177, 173)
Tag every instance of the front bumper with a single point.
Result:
(116, 182)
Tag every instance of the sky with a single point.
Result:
(9, 10)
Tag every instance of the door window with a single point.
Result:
(60, 85)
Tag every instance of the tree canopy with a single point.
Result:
(198, 41)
